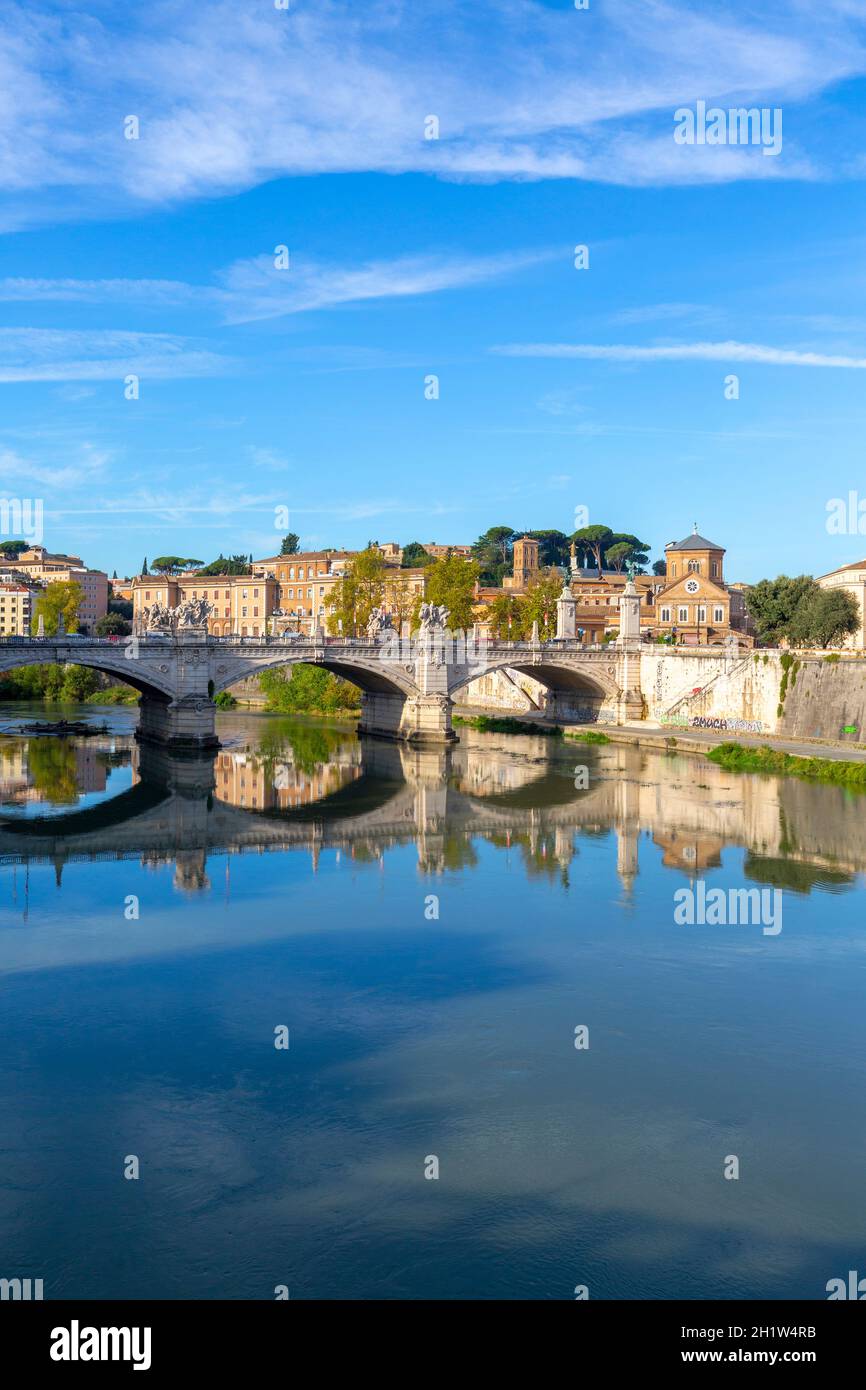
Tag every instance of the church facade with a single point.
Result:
(690, 604)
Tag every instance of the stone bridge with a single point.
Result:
(408, 685)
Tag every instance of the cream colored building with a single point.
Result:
(46, 568)
(303, 585)
(242, 603)
(16, 609)
(852, 579)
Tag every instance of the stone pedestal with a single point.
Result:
(629, 616)
(565, 619)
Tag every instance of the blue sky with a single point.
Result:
(303, 388)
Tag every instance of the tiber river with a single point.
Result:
(431, 935)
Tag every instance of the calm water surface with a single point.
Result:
(295, 881)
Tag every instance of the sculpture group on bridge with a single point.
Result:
(434, 616)
(193, 612)
(379, 622)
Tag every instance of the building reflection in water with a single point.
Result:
(296, 787)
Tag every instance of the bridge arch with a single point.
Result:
(145, 677)
(369, 674)
(574, 689)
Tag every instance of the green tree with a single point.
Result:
(616, 555)
(592, 540)
(773, 602)
(493, 553)
(357, 593)
(235, 564)
(660, 567)
(144, 569)
(634, 551)
(553, 547)
(290, 544)
(415, 556)
(78, 683)
(13, 548)
(308, 689)
(112, 624)
(541, 599)
(63, 597)
(401, 601)
(169, 564)
(823, 618)
(452, 581)
(507, 617)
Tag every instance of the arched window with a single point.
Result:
(694, 566)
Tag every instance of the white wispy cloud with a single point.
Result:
(254, 288)
(84, 463)
(682, 352)
(232, 95)
(55, 354)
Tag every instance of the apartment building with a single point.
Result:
(16, 608)
(304, 583)
(242, 603)
(43, 567)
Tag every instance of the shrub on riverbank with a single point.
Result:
(307, 689)
(69, 685)
(590, 736)
(114, 695)
(53, 684)
(490, 725)
(734, 757)
(224, 700)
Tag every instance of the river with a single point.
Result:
(334, 1017)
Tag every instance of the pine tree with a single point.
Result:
(144, 568)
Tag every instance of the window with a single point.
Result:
(718, 615)
(666, 615)
(702, 615)
(683, 615)
(694, 566)
(255, 593)
(256, 611)
(714, 569)
(673, 569)
(243, 615)
(292, 572)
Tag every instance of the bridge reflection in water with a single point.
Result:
(322, 788)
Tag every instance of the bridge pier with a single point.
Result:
(185, 726)
(415, 719)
